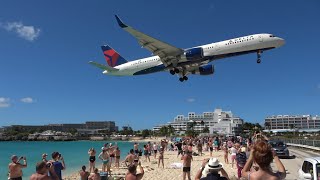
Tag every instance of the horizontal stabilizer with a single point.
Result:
(101, 66)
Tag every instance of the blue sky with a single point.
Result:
(46, 45)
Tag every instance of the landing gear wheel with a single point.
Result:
(185, 78)
(258, 61)
(176, 71)
(172, 72)
(181, 79)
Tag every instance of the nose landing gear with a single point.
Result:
(259, 52)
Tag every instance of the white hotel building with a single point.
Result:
(298, 122)
(222, 122)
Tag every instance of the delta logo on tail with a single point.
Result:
(111, 57)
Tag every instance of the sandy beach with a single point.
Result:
(153, 172)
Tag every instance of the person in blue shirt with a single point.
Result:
(58, 166)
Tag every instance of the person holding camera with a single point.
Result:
(15, 167)
(58, 166)
(262, 154)
(42, 170)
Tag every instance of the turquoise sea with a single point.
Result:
(75, 154)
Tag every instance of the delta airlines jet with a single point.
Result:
(182, 61)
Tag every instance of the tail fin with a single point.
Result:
(112, 57)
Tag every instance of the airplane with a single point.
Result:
(179, 61)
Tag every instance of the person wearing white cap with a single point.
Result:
(212, 167)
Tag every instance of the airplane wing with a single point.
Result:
(101, 66)
(167, 53)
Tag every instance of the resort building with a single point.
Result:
(89, 126)
(218, 121)
(289, 122)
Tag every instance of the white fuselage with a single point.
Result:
(250, 44)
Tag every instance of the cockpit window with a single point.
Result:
(272, 35)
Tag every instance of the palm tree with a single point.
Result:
(163, 130)
(205, 130)
(171, 130)
(267, 125)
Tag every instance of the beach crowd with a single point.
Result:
(249, 157)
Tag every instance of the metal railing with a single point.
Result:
(307, 142)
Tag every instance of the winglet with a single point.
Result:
(121, 24)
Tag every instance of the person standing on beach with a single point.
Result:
(161, 151)
(225, 153)
(83, 173)
(155, 149)
(15, 168)
(179, 147)
(187, 158)
(95, 175)
(42, 171)
(92, 159)
(117, 153)
(199, 147)
(130, 157)
(135, 147)
(58, 166)
(210, 146)
(146, 153)
(44, 157)
(104, 156)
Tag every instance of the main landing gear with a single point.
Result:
(184, 78)
(174, 71)
(259, 52)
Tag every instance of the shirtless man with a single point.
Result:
(42, 169)
(187, 157)
(15, 168)
(92, 159)
(95, 175)
(132, 172)
(83, 173)
(104, 156)
(130, 157)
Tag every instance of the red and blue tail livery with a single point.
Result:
(112, 57)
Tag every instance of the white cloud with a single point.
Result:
(27, 100)
(190, 100)
(4, 102)
(29, 33)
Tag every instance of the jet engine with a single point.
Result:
(194, 53)
(205, 70)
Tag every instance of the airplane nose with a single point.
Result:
(280, 42)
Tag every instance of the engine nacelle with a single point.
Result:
(205, 70)
(194, 54)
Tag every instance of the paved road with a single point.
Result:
(294, 163)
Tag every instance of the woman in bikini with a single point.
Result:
(161, 151)
(146, 153)
(92, 159)
(225, 151)
(117, 153)
(262, 155)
